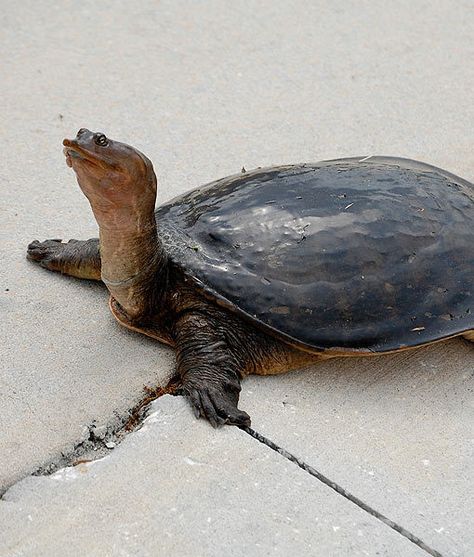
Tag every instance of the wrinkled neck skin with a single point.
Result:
(134, 265)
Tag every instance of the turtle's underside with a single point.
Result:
(273, 269)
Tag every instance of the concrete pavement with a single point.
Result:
(204, 88)
(189, 490)
(396, 430)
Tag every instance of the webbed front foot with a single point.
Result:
(78, 258)
(210, 367)
(47, 254)
(215, 402)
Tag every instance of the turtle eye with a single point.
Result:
(100, 139)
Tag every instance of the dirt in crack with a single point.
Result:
(102, 438)
(138, 412)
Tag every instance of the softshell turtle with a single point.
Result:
(276, 268)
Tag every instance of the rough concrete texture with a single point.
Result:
(196, 491)
(205, 88)
(394, 430)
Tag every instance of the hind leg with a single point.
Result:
(78, 258)
(469, 336)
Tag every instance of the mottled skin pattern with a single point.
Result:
(216, 346)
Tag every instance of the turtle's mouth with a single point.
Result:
(70, 154)
(74, 153)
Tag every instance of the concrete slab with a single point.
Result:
(394, 430)
(203, 89)
(176, 487)
(65, 364)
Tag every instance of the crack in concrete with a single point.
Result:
(95, 447)
(104, 438)
(99, 440)
(343, 492)
(88, 449)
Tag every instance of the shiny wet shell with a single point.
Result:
(371, 254)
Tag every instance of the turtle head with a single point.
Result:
(117, 179)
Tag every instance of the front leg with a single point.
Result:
(211, 367)
(78, 258)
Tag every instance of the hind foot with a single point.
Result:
(77, 258)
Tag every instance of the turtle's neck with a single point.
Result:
(133, 265)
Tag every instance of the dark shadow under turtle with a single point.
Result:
(269, 270)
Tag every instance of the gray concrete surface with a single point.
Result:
(196, 491)
(205, 88)
(395, 430)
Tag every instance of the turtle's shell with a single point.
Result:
(372, 254)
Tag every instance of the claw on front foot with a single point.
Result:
(45, 253)
(216, 406)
